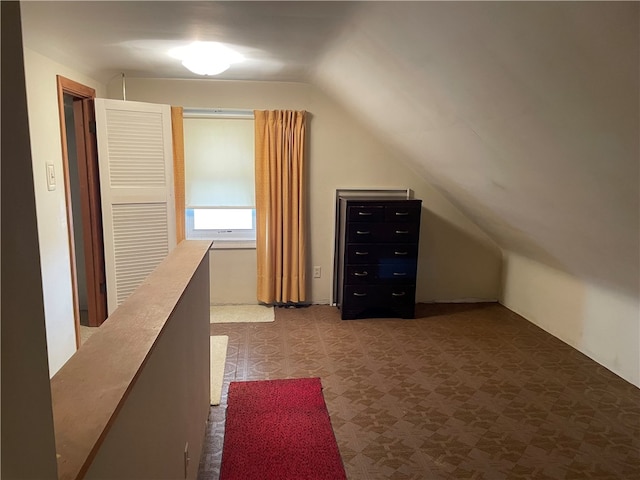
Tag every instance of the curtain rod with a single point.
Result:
(216, 113)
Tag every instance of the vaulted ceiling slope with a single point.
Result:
(524, 114)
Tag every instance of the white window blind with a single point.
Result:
(219, 162)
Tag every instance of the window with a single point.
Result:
(237, 225)
(219, 177)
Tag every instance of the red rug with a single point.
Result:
(279, 429)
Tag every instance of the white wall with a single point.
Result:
(601, 323)
(457, 260)
(42, 101)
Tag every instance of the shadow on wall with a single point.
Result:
(454, 265)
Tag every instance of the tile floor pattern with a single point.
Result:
(463, 391)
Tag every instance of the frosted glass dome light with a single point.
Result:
(206, 58)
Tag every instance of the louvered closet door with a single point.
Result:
(136, 182)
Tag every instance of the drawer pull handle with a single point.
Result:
(399, 274)
(362, 253)
(363, 232)
(361, 274)
(356, 294)
(400, 294)
(402, 232)
(400, 253)
(402, 214)
(365, 214)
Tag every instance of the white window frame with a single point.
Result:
(222, 239)
(231, 239)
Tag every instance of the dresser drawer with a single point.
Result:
(367, 232)
(398, 273)
(361, 274)
(368, 213)
(389, 296)
(394, 254)
(402, 213)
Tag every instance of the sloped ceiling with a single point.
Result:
(524, 114)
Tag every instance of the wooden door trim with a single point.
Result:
(77, 90)
(74, 88)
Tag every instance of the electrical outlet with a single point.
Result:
(317, 272)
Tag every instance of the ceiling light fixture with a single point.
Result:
(206, 58)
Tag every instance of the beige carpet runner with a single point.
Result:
(241, 313)
(218, 345)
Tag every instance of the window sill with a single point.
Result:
(233, 245)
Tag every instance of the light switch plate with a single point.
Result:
(51, 177)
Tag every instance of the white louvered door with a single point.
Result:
(136, 183)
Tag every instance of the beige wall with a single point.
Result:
(457, 260)
(601, 323)
(239, 282)
(42, 100)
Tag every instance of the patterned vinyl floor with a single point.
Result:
(463, 391)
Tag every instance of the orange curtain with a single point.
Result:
(177, 130)
(280, 206)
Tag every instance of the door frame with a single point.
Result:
(84, 118)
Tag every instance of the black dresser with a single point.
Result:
(377, 257)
